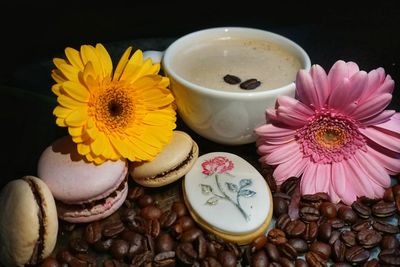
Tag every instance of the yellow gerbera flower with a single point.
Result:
(128, 113)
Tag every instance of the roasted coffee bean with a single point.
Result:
(322, 249)
(259, 259)
(119, 248)
(328, 210)
(339, 251)
(250, 84)
(227, 259)
(92, 232)
(368, 201)
(258, 243)
(369, 238)
(361, 225)
(112, 229)
(135, 192)
(371, 263)
(232, 79)
(272, 251)
(288, 251)
(200, 245)
(164, 259)
(76, 262)
(136, 242)
(309, 214)
(300, 263)
(341, 264)
(295, 228)
(282, 221)
(347, 214)
(164, 242)
(280, 206)
(388, 196)
(397, 203)
(210, 262)
(103, 245)
(145, 200)
(269, 178)
(348, 238)
(289, 185)
(148, 244)
(311, 232)
(127, 215)
(111, 263)
(186, 253)
(396, 188)
(361, 209)
(141, 259)
(336, 223)
(389, 242)
(186, 222)
(64, 256)
(78, 245)
(314, 200)
(334, 236)
(285, 262)
(299, 245)
(168, 218)
(67, 226)
(87, 259)
(315, 260)
(390, 257)
(324, 232)
(384, 209)
(151, 212)
(51, 262)
(276, 236)
(385, 227)
(180, 208)
(191, 234)
(357, 255)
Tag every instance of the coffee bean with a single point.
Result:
(232, 79)
(92, 232)
(361, 225)
(389, 242)
(200, 245)
(299, 245)
(164, 259)
(285, 262)
(336, 223)
(112, 229)
(276, 236)
(390, 257)
(368, 201)
(50, 262)
(300, 263)
(191, 234)
(85, 259)
(388, 196)
(361, 209)
(324, 232)
(280, 206)
(347, 214)
(272, 251)
(180, 208)
(119, 248)
(250, 84)
(186, 253)
(315, 260)
(287, 250)
(274, 264)
(210, 262)
(103, 245)
(289, 185)
(145, 200)
(267, 174)
(141, 259)
(258, 243)
(328, 210)
(164, 242)
(309, 214)
(369, 238)
(384, 209)
(314, 200)
(227, 259)
(78, 245)
(311, 232)
(348, 238)
(339, 251)
(334, 236)
(259, 259)
(295, 228)
(322, 249)
(112, 263)
(357, 255)
(168, 218)
(341, 264)
(371, 263)
(385, 227)
(282, 221)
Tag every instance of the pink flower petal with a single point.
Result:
(285, 153)
(308, 179)
(375, 79)
(372, 107)
(341, 186)
(293, 167)
(295, 105)
(323, 179)
(305, 89)
(273, 132)
(387, 86)
(393, 124)
(267, 149)
(338, 98)
(339, 71)
(334, 198)
(391, 164)
(270, 115)
(381, 118)
(370, 166)
(357, 178)
(320, 79)
(382, 138)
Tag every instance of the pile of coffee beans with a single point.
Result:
(319, 233)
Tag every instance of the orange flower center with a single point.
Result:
(330, 137)
(114, 108)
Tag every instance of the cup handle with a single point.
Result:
(156, 56)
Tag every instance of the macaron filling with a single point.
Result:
(177, 167)
(39, 246)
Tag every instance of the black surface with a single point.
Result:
(367, 34)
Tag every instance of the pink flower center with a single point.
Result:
(330, 137)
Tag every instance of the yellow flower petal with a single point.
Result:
(76, 90)
(69, 102)
(56, 88)
(98, 144)
(57, 75)
(61, 122)
(121, 64)
(67, 70)
(83, 148)
(61, 112)
(105, 60)
(74, 58)
(89, 54)
(134, 65)
(75, 131)
(93, 132)
(164, 82)
(77, 117)
(89, 72)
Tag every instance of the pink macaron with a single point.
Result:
(83, 191)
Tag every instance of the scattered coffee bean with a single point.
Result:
(232, 79)
(250, 84)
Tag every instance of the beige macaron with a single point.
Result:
(173, 162)
(28, 222)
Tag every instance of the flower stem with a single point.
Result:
(237, 204)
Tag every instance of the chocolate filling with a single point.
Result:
(91, 204)
(183, 163)
(37, 254)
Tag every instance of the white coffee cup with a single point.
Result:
(224, 116)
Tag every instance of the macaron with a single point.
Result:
(171, 164)
(28, 222)
(228, 197)
(83, 191)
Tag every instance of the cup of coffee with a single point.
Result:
(224, 79)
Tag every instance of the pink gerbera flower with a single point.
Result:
(337, 135)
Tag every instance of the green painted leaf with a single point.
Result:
(245, 182)
(232, 187)
(206, 189)
(212, 201)
(246, 193)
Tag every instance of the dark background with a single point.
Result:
(32, 34)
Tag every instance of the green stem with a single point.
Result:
(229, 198)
